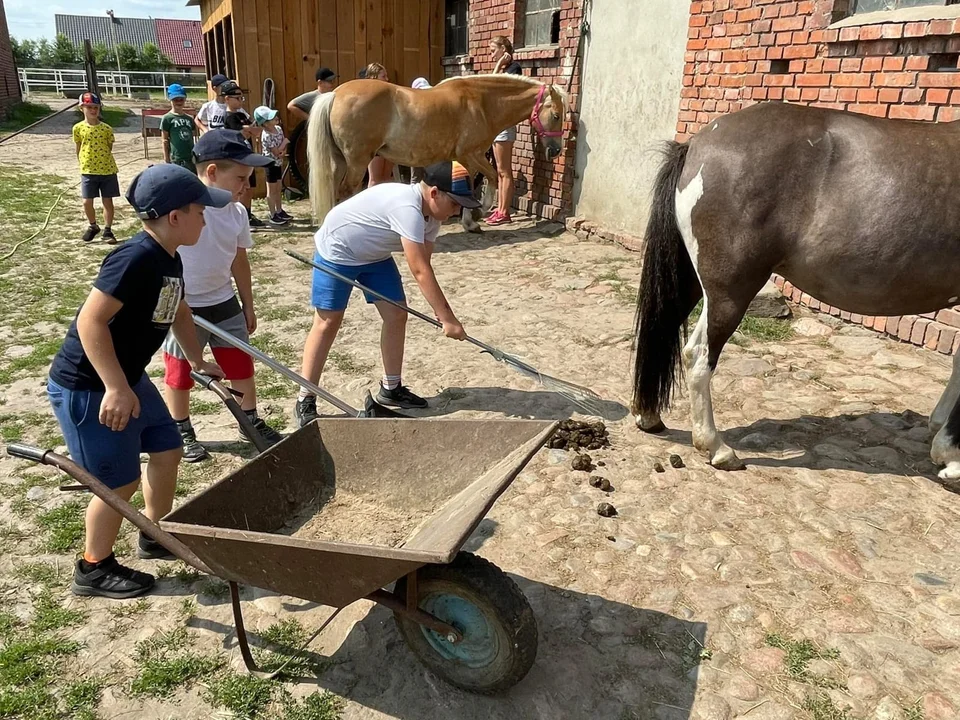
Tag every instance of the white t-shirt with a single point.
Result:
(367, 228)
(212, 114)
(207, 275)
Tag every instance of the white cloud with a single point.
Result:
(29, 19)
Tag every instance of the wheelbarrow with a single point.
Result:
(462, 617)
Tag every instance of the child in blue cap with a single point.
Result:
(107, 408)
(178, 130)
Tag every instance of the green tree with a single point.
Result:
(45, 53)
(103, 55)
(152, 59)
(24, 52)
(64, 51)
(129, 56)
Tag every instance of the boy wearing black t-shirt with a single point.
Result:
(108, 409)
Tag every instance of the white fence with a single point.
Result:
(65, 81)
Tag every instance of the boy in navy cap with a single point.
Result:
(108, 409)
(210, 269)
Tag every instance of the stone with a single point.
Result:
(720, 540)
(18, 351)
(741, 614)
(858, 347)
(550, 537)
(809, 327)
(769, 303)
(888, 709)
(604, 557)
(755, 441)
(556, 457)
(843, 562)
(881, 456)
(644, 550)
(950, 604)
(764, 660)
(35, 494)
(577, 283)
(622, 544)
(599, 290)
(742, 688)
(769, 711)
(928, 580)
(937, 707)
(862, 685)
(937, 643)
(747, 367)
(711, 707)
(841, 622)
(805, 561)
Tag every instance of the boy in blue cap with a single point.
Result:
(178, 130)
(210, 269)
(107, 408)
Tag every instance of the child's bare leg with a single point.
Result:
(103, 524)
(273, 197)
(107, 211)
(249, 389)
(178, 403)
(393, 335)
(326, 325)
(160, 483)
(89, 211)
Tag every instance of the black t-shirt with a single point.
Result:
(149, 283)
(238, 120)
(514, 69)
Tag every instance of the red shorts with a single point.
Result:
(236, 365)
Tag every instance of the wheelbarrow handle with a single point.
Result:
(226, 394)
(207, 382)
(114, 501)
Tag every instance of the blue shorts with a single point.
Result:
(113, 457)
(328, 293)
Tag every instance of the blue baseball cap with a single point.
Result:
(176, 91)
(227, 145)
(218, 80)
(160, 189)
(453, 179)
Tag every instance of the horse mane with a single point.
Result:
(504, 77)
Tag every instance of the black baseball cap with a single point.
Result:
(227, 145)
(230, 88)
(326, 74)
(454, 179)
(160, 189)
(218, 80)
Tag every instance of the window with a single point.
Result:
(188, 43)
(218, 47)
(541, 22)
(865, 6)
(456, 28)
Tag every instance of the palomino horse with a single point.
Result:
(860, 212)
(456, 120)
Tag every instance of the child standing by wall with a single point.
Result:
(210, 269)
(212, 113)
(107, 408)
(98, 169)
(178, 130)
(273, 145)
(239, 119)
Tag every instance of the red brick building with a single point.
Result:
(546, 40)
(899, 63)
(9, 83)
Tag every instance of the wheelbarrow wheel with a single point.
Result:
(477, 598)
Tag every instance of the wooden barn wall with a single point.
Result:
(287, 40)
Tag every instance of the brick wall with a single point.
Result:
(9, 84)
(544, 187)
(741, 52)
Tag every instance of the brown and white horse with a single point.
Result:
(860, 212)
(456, 120)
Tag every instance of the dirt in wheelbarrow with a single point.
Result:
(338, 516)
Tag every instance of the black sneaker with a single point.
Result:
(254, 220)
(400, 397)
(110, 579)
(91, 233)
(193, 451)
(306, 411)
(285, 215)
(148, 549)
(265, 431)
(109, 237)
(277, 220)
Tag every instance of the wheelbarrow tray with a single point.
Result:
(446, 473)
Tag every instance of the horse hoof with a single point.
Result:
(475, 229)
(651, 424)
(950, 472)
(654, 429)
(726, 459)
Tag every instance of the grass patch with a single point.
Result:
(38, 573)
(49, 615)
(914, 712)
(82, 697)
(348, 364)
(315, 706)
(30, 664)
(165, 667)
(284, 640)
(753, 328)
(181, 571)
(23, 114)
(243, 695)
(800, 653)
(38, 359)
(63, 527)
(279, 313)
(124, 614)
(12, 533)
(204, 407)
(214, 588)
(822, 707)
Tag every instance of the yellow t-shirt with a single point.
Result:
(95, 141)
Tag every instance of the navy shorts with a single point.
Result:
(328, 293)
(99, 186)
(113, 457)
(274, 172)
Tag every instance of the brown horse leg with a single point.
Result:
(478, 162)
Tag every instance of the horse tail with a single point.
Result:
(668, 287)
(323, 156)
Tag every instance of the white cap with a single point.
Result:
(421, 84)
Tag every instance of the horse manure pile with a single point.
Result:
(338, 516)
(577, 435)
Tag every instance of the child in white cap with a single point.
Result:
(273, 144)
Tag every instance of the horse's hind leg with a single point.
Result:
(938, 418)
(946, 446)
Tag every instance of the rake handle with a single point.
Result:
(416, 313)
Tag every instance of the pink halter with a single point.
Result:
(535, 117)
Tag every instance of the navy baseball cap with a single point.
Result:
(326, 74)
(218, 80)
(227, 145)
(160, 189)
(454, 179)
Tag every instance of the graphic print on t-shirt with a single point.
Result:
(168, 301)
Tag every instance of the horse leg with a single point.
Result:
(477, 162)
(948, 400)
(946, 445)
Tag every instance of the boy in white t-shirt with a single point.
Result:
(212, 113)
(210, 268)
(357, 239)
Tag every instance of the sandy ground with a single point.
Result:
(837, 533)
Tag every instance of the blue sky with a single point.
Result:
(32, 19)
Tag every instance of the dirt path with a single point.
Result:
(823, 577)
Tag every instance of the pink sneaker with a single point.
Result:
(499, 219)
(492, 217)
